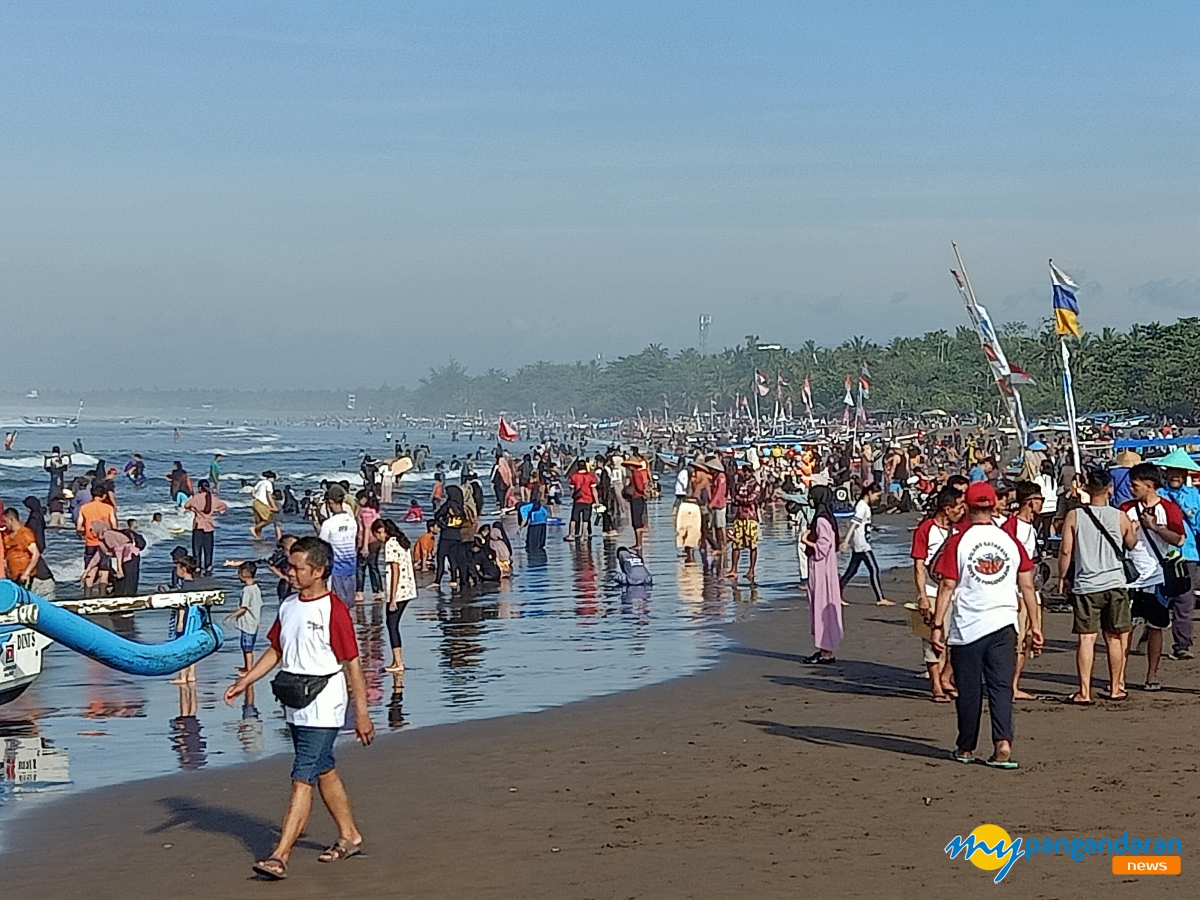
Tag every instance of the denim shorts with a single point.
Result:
(314, 752)
(247, 640)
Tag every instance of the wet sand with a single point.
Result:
(761, 777)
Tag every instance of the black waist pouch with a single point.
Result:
(298, 691)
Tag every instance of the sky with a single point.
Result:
(330, 195)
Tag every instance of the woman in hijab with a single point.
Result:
(824, 582)
(502, 547)
(36, 522)
(204, 505)
(450, 517)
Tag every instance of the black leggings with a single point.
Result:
(202, 549)
(393, 624)
(856, 560)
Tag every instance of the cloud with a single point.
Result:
(1181, 295)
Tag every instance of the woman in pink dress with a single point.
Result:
(824, 585)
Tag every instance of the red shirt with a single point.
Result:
(925, 536)
(583, 485)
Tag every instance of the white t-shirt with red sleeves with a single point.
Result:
(1024, 532)
(1166, 513)
(927, 541)
(314, 637)
(983, 561)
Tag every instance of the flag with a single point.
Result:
(866, 373)
(1019, 376)
(849, 398)
(806, 393)
(760, 383)
(506, 431)
(864, 389)
(781, 381)
(1066, 310)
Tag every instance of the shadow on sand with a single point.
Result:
(828, 736)
(256, 833)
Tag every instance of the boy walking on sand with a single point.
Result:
(313, 639)
(248, 614)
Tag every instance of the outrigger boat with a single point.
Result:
(29, 623)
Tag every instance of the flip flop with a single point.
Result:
(941, 698)
(340, 849)
(1152, 686)
(966, 760)
(273, 867)
(1007, 764)
(1124, 696)
(1071, 701)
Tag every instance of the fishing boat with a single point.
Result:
(29, 624)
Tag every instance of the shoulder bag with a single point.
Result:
(1127, 566)
(1176, 581)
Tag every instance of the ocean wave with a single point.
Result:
(78, 461)
(252, 451)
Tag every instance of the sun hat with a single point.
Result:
(1178, 459)
(1127, 458)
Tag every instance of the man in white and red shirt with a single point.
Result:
(314, 636)
(928, 540)
(1021, 526)
(984, 574)
(1161, 533)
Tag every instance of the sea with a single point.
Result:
(556, 632)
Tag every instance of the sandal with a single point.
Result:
(966, 759)
(1006, 764)
(1072, 701)
(341, 849)
(1152, 686)
(273, 867)
(1118, 698)
(941, 698)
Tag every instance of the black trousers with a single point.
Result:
(202, 549)
(369, 565)
(987, 664)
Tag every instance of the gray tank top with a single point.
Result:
(1097, 566)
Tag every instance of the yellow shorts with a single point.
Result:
(744, 534)
(262, 513)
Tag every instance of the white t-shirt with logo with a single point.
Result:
(341, 531)
(314, 637)
(861, 525)
(983, 561)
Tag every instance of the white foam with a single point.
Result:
(78, 461)
(253, 451)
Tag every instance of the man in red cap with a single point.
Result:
(985, 574)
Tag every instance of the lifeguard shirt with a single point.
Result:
(984, 561)
(314, 637)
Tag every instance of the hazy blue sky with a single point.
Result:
(259, 195)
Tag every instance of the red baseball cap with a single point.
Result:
(981, 495)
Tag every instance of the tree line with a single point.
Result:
(1150, 368)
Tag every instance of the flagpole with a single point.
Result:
(757, 420)
(1069, 400)
(1016, 410)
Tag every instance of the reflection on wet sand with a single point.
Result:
(187, 736)
(32, 764)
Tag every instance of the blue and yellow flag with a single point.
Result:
(1066, 309)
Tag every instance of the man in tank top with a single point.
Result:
(1099, 593)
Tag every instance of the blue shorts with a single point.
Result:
(247, 640)
(314, 752)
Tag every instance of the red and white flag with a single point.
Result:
(806, 393)
(506, 431)
(760, 383)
